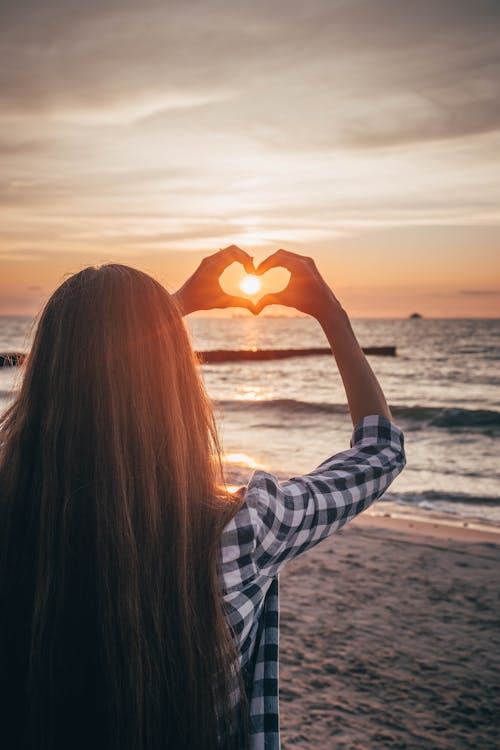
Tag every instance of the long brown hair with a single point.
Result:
(112, 631)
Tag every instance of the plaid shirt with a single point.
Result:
(277, 522)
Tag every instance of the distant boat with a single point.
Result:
(415, 316)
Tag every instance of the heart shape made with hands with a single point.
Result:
(234, 280)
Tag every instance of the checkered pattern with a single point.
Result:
(279, 521)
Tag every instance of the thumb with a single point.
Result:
(269, 299)
(231, 301)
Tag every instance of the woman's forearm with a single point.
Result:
(364, 393)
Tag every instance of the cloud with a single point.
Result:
(169, 124)
(15, 147)
(139, 107)
(359, 73)
(480, 292)
(416, 119)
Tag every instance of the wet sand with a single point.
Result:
(390, 638)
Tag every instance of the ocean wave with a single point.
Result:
(285, 405)
(451, 418)
(458, 504)
(437, 496)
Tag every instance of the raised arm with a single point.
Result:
(280, 520)
(308, 292)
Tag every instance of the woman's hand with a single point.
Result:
(202, 291)
(307, 291)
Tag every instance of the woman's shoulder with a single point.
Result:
(241, 535)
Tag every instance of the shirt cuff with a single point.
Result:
(375, 429)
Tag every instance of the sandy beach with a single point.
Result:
(390, 637)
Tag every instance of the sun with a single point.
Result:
(250, 284)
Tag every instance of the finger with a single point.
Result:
(282, 258)
(270, 299)
(232, 254)
(228, 300)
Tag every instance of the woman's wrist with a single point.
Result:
(333, 318)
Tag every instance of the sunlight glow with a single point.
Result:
(242, 459)
(250, 284)
(252, 392)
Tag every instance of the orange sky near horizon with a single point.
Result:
(365, 135)
(384, 290)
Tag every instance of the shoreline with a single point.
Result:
(404, 519)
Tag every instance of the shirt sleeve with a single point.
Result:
(290, 517)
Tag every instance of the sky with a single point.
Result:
(365, 133)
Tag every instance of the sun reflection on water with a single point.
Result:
(252, 393)
(242, 459)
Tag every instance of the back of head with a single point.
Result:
(112, 633)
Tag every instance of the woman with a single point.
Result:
(138, 599)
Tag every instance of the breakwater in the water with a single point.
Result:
(14, 359)
(255, 355)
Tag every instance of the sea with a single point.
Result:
(288, 415)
